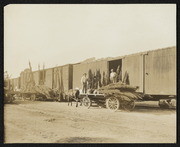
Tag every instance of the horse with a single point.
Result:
(73, 95)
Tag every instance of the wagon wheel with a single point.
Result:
(112, 103)
(128, 105)
(86, 102)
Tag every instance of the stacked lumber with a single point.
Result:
(121, 91)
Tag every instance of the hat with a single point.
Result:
(76, 88)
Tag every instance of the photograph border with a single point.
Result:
(7, 2)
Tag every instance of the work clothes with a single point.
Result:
(113, 77)
(84, 89)
(84, 82)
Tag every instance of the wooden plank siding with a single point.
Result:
(160, 72)
(48, 77)
(70, 76)
(36, 77)
(79, 69)
(133, 64)
(64, 75)
(22, 79)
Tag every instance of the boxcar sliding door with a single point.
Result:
(133, 65)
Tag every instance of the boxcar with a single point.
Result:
(154, 72)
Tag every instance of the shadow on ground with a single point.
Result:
(10, 103)
(155, 110)
(17, 102)
(85, 140)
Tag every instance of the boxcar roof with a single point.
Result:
(110, 58)
(144, 52)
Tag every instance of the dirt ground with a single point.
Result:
(56, 122)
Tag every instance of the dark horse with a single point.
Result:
(74, 96)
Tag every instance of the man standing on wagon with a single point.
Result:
(84, 82)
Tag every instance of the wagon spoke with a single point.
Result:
(128, 105)
(112, 103)
(86, 102)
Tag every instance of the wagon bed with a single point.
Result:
(89, 99)
(112, 103)
(93, 96)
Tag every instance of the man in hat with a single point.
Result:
(113, 76)
(84, 82)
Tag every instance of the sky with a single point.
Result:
(59, 34)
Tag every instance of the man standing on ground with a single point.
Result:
(84, 82)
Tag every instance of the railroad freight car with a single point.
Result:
(154, 72)
(58, 77)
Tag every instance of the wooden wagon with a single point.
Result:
(112, 102)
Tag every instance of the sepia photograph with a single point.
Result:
(90, 73)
